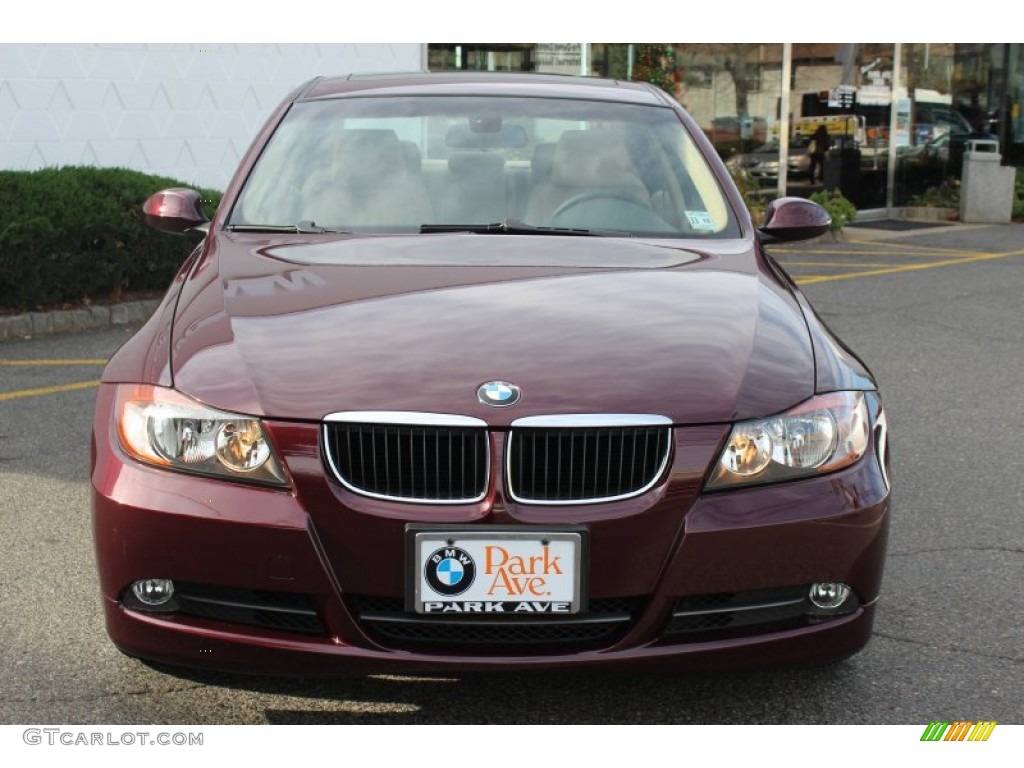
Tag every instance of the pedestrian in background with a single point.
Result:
(820, 143)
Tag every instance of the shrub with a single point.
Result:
(1018, 195)
(76, 234)
(839, 208)
(946, 194)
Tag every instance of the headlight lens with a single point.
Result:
(826, 433)
(163, 427)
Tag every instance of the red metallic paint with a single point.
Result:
(259, 324)
(795, 218)
(174, 210)
(672, 541)
(394, 338)
(205, 644)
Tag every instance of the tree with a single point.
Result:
(655, 63)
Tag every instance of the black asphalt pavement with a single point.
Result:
(937, 313)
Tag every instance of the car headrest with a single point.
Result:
(593, 158)
(369, 157)
(543, 162)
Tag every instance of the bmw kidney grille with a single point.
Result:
(549, 460)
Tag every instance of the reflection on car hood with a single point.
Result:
(693, 341)
(466, 250)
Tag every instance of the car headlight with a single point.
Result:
(823, 434)
(165, 428)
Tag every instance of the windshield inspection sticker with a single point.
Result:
(700, 221)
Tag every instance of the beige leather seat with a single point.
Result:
(368, 182)
(584, 161)
(476, 190)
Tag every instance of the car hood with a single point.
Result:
(582, 325)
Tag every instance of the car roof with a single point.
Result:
(482, 83)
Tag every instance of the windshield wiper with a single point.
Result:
(514, 227)
(302, 228)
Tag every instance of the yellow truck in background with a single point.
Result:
(838, 127)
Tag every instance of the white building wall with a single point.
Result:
(183, 110)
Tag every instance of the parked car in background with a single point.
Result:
(478, 371)
(934, 120)
(762, 164)
(947, 149)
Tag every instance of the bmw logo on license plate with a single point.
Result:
(498, 393)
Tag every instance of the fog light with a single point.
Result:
(153, 592)
(828, 595)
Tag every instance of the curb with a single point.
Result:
(32, 324)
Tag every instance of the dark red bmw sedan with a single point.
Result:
(484, 372)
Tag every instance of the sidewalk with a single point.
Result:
(989, 238)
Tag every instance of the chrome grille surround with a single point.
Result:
(418, 429)
(655, 433)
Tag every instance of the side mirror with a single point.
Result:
(175, 210)
(794, 218)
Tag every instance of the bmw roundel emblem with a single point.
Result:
(498, 393)
(450, 571)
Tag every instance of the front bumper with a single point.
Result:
(151, 523)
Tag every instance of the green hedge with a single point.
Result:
(76, 233)
(1018, 195)
(838, 207)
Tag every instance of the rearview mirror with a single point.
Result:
(482, 135)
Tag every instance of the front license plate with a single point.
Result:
(495, 571)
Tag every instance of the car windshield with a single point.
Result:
(437, 164)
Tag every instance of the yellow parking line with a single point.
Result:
(882, 249)
(871, 252)
(48, 390)
(865, 265)
(29, 363)
(936, 249)
(809, 279)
